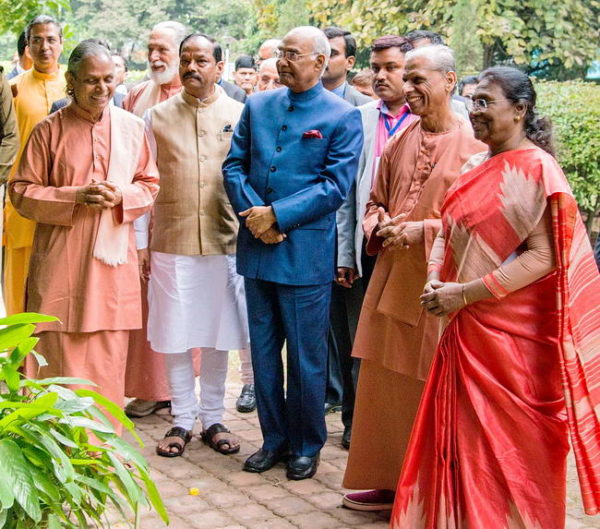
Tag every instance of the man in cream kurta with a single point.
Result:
(195, 297)
(34, 92)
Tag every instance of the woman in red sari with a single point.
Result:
(518, 365)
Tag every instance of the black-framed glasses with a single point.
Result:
(289, 55)
(483, 104)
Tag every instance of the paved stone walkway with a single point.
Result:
(232, 499)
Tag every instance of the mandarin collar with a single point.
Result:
(194, 101)
(85, 115)
(47, 76)
(307, 94)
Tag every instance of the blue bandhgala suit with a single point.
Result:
(297, 152)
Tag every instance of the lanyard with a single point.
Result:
(391, 131)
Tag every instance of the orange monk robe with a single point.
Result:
(147, 94)
(97, 304)
(35, 93)
(145, 375)
(396, 337)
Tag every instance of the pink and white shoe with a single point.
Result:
(370, 500)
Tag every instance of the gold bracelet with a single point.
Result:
(464, 296)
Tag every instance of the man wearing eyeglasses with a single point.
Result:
(286, 177)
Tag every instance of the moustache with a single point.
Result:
(192, 75)
(381, 85)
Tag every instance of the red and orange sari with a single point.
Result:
(513, 375)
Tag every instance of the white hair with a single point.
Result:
(441, 56)
(178, 30)
(321, 44)
(271, 62)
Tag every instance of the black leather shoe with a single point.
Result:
(264, 460)
(346, 437)
(302, 467)
(247, 400)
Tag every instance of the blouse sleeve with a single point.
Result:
(534, 263)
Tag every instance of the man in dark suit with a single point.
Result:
(233, 91)
(347, 294)
(286, 176)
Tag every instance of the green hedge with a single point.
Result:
(574, 108)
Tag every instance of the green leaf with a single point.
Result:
(26, 317)
(115, 410)
(155, 499)
(54, 522)
(16, 473)
(11, 336)
(86, 423)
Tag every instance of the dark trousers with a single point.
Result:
(342, 369)
(298, 315)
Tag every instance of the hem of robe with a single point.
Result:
(385, 408)
(98, 356)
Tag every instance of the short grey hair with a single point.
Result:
(83, 50)
(178, 30)
(321, 44)
(42, 19)
(441, 56)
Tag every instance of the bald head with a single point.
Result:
(439, 56)
(267, 49)
(303, 55)
(317, 39)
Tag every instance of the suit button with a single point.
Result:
(291, 108)
(269, 190)
(284, 128)
(278, 149)
(273, 168)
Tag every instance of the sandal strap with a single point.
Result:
(216, 428)
(178, 431)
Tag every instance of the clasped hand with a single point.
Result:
(398, 233)
(99, 195)
(441, 299)
(260, 221)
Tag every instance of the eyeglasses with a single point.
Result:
(483, 104)
(291, 56)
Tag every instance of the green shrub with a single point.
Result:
(574, 108)
(53, 474)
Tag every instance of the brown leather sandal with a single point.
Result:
(182, 434)
(208, 435)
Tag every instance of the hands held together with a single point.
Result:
(441, 299)
(260, 220)
(99, 195)
(397, 233)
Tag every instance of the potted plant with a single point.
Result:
(61, 463)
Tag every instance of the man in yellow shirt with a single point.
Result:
(34, 92)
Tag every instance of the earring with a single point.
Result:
(517, 118)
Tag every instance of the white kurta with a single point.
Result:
(196, 301)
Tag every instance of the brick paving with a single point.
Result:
(232, 499)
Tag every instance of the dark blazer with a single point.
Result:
(57, 105)
(354, 97)
(277, 158)
(233, 91)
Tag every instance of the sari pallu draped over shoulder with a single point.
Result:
(514, 374)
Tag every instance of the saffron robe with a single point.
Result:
(35, 93)
(514, 373)
(66, 151)
(396, 338)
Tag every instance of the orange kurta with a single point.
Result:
(96, 303)
(145, 376)
(35, 93)
(396, 338)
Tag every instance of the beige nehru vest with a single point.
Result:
(192, 214)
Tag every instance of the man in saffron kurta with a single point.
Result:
(145, 376)
(69, 159)
(396, 338)
(34, 92)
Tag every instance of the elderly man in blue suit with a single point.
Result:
(294, 155)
